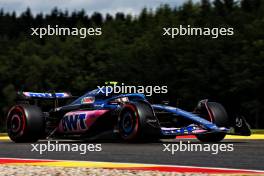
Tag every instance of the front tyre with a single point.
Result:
(137, 121)
(25, 123)
(217, 114)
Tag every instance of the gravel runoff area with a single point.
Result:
(9, 170)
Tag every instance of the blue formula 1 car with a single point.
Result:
(130, 116)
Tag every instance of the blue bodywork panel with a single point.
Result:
(209, 126)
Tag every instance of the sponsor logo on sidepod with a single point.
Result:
(74, 122)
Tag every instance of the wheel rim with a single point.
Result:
(16, 122)
(128, 122)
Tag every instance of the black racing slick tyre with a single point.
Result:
(133, 122)
(25, 123)
(220, 118)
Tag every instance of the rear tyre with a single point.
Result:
(220, 118)
(25, 123)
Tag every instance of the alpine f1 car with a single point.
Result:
(130, 116)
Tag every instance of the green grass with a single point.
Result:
(257, 131)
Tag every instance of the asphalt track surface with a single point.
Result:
(247, 154)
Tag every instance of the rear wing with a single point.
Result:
(43, 96)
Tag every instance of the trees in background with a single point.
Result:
(132, 50)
